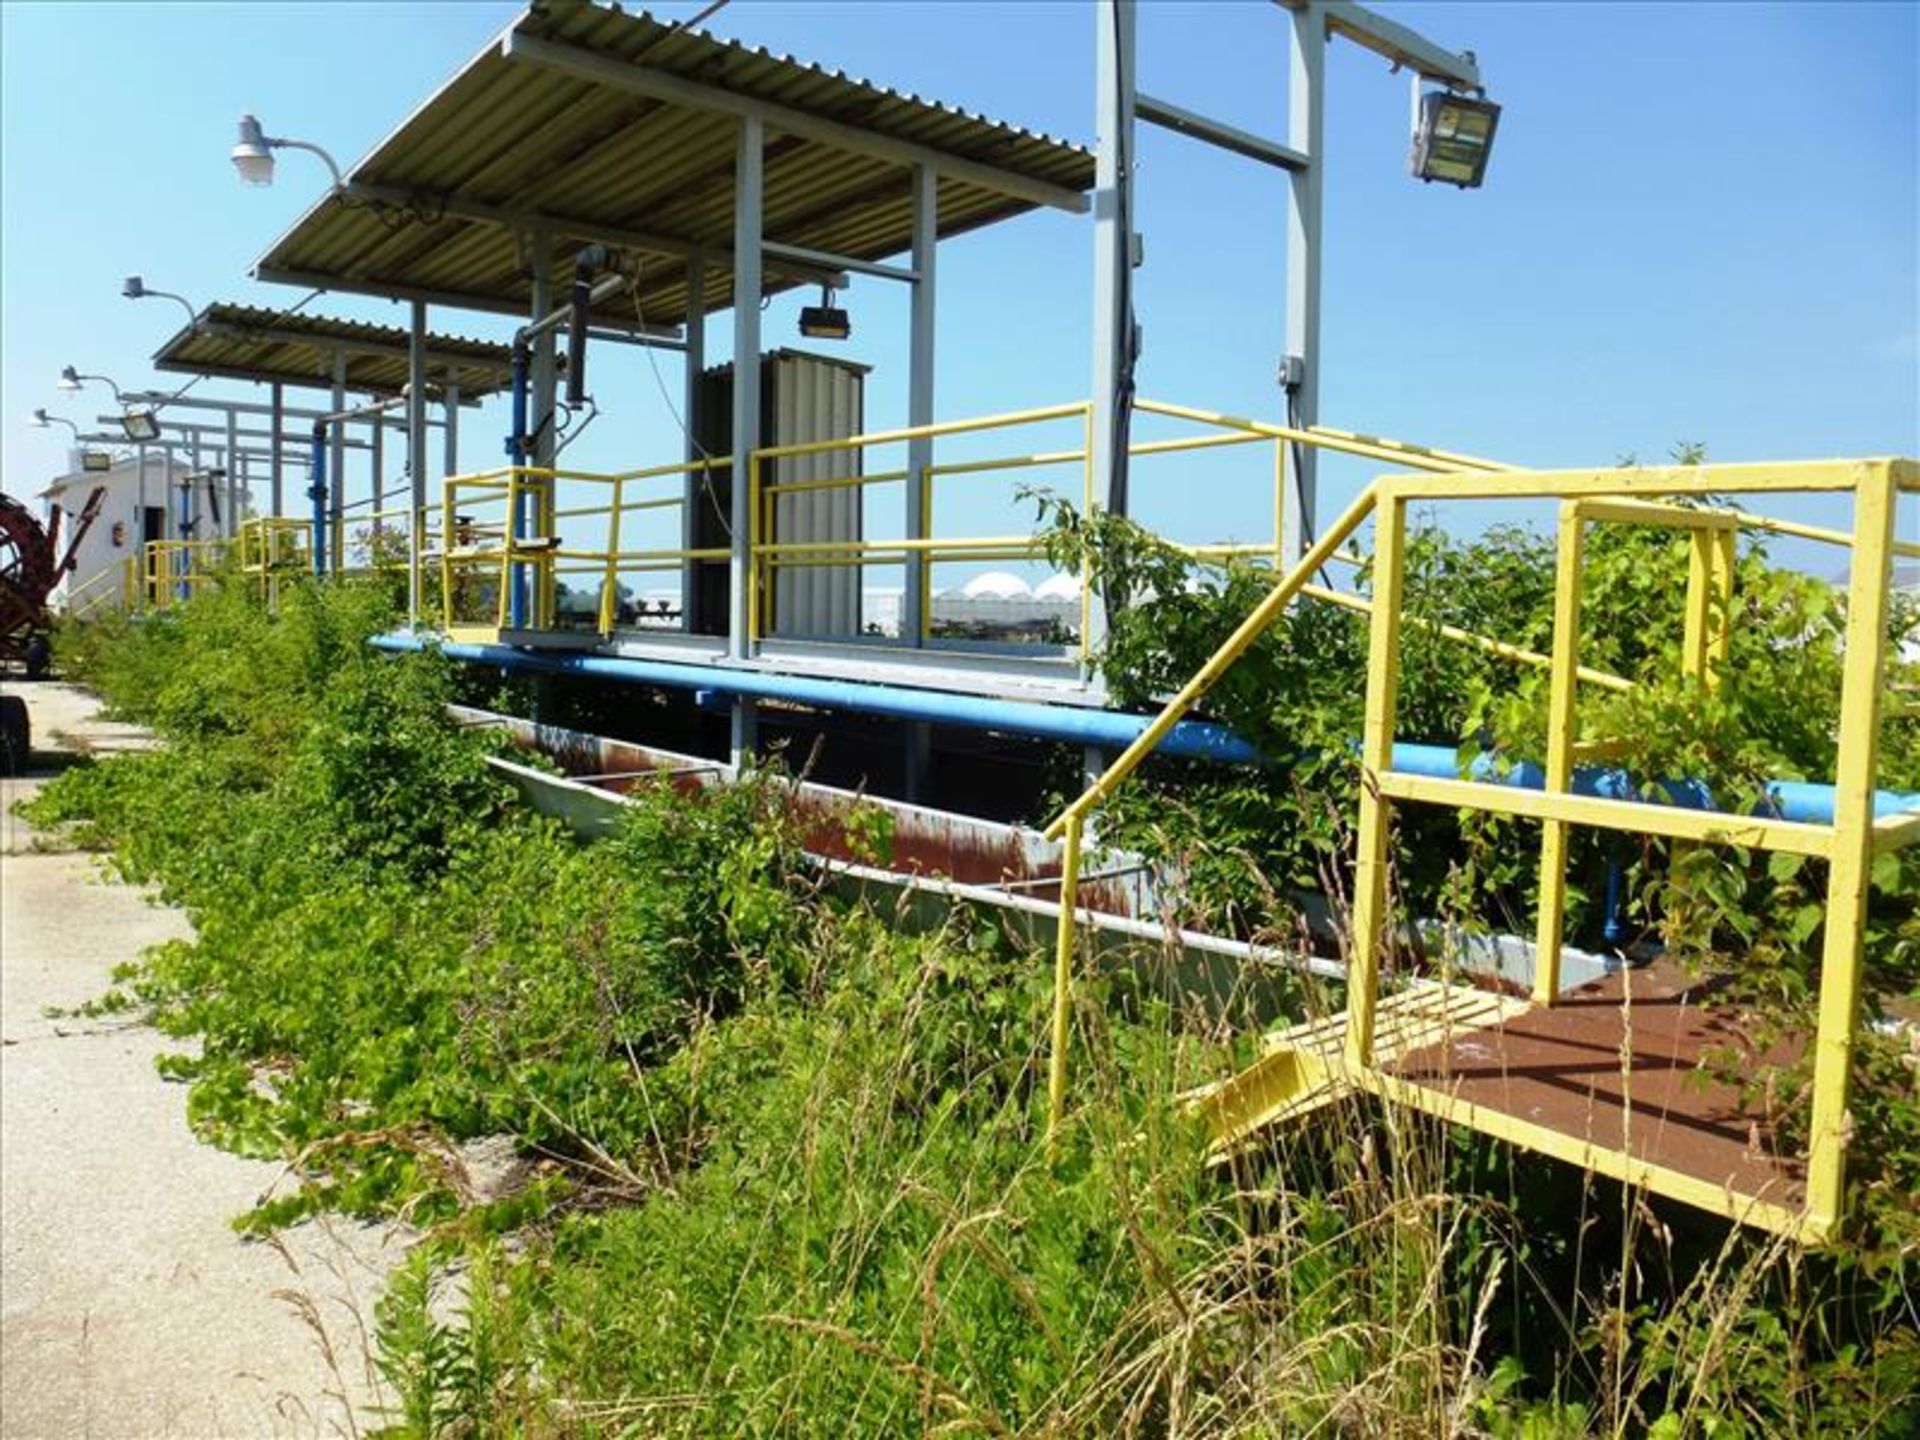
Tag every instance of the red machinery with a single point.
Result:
(29, 570)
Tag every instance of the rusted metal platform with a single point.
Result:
(1617, 1064)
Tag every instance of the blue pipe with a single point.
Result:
(317, 493)
(517, 455)
(1107, 729)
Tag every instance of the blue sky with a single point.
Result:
(1701, 221)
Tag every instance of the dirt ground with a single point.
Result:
(128, 1306)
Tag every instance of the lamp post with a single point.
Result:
(253, 154)
(134, 288)
(72, 379)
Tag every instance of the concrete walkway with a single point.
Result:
(128, 1306)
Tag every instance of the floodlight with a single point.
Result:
(825, 321)
(1453, 138)
(95, 461)
(140, 425)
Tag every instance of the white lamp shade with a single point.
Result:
(255, 164)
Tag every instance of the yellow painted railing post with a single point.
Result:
(1724, 555)
(610, 586)
(1695, 640)
(1221, 661)
(449, 490)
(1086, 557)
(755, 559)
(1063, 981)
(1279, 503)
(1861, 696)
(1370, 918)
(508, 544)
(1550, 923)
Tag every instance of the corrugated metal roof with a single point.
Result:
(513, 138)
(244, 342)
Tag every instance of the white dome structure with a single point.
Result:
(1058, 587)
(996, 585)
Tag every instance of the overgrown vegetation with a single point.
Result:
(784, 1163)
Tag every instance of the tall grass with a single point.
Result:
(786, 1165)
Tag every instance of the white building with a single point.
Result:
(142, 502)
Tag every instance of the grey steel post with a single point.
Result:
(920, 352)
(232, 525)
(1113, 246)
(1115, 338)
(139, 531)
(376, 489)
(698, 483)
(749, 178)
(540, 387)
(416, 451)
(336, 470)
(278, 445)
(450, 436)
(1305, 128)
(920, 411)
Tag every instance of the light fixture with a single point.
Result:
(140, 425)
(72, 379)
(134, 288)
(252, 155)
(825, 321)
(95, 461)
(44, 421)
(1453, 138)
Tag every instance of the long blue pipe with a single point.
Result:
(1108, 729)
(317, 493)
(517, 454)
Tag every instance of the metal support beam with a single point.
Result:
(651, 242)
(417, 449)
(920, 406)
(1393, 41)
(749, 183)
(1214, 132)
(159, 400)
(637, 79)
(439, 359)
(278, 411)
(431, 295)
(1114, 341)
(230, 521)
(1305, 130)
(337, 470)
(691, 419)
(830, 264)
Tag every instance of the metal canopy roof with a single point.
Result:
(621, 129)
(242, 342)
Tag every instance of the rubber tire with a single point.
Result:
(16, 736)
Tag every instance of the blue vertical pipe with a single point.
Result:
(517, 455)
(317, 493)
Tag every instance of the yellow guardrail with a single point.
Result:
(478, 533)
(1849, 844)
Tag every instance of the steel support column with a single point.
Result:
(230, 522)
(1305, 127)
(416, 450)
(337, 470)
(698, 483)
(540, 383)
(1115, 337)
(749, 181)
(920, 411)
(278, 443)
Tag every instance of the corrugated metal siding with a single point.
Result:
(514, 135)
(810, 399)
(249, 343)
